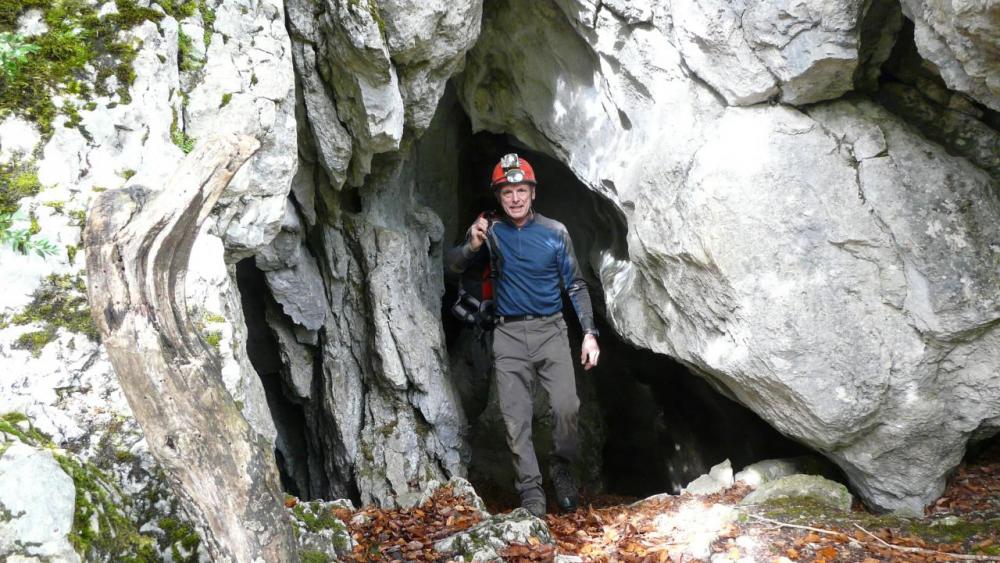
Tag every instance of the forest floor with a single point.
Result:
(964, 524)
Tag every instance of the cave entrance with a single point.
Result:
(294, 454)
(648, 424)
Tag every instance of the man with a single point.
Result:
(532, 257)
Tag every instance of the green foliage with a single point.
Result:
(60, 302)
(24, 241)
(226, 98)
(14, 52)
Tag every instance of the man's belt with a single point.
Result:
(516, 318)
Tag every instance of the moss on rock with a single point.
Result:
(78, 39)
(18, 180)
(60, 302)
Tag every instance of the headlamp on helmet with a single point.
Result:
(512, 170)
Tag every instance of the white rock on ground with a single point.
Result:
(36, 506)
(718, 479)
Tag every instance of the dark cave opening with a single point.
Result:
(648, 423)
(291, 446)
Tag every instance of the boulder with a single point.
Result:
(811, 487)
(319, 531)
(486, 540)
(36, 505)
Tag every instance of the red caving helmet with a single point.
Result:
(512, 170)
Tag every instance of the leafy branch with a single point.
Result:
(23, 241)
(14, 52)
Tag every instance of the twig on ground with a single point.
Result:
(928, 551)
(797, 526)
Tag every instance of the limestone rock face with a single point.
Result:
(802, 52)
(36, 505)
(385, 65)
(247, 86)
(963, 40)
(819, 266)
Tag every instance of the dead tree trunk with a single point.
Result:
(138, 242)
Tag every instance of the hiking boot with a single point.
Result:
(535, 507)
(565, 485)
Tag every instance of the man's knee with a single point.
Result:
(565, 407)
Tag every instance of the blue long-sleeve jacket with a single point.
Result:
(534, 263)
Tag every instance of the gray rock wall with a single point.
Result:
(818, 264)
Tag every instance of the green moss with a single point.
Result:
(808, 511)
(179, 9)
(18, 180)
(207, 22)
(126, 173)
(226, 98)
(71, 250)
(316, 518)
(34, 341)
(9, 424)
(186, 59)
(102, 529)
(213, 318)
(14, 417)
(80, 47)
(79, 217)
(181, 535)
(313, 557)
(180, 137)
(57, 206)
(377, 16)
(59, 302)
(213, 338)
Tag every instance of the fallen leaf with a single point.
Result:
(827, 552)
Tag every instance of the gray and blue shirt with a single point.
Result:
(533, 262)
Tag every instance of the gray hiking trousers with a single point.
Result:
(522, 349)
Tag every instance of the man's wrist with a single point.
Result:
(591, 333)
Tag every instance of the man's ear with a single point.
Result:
(532, 193)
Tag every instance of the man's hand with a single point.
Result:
(477, 233)
(589, 351)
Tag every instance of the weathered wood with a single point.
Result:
(138, 243)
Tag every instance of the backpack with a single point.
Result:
(475, 305)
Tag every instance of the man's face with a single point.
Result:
(516, 200)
